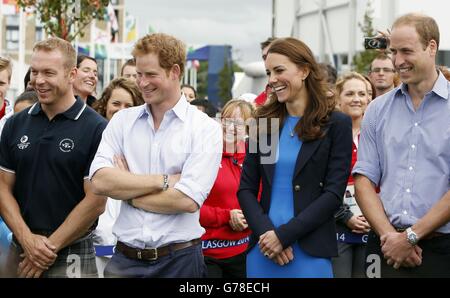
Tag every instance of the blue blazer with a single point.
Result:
(319, 182)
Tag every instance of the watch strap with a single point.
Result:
(166, 182)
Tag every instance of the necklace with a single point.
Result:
(290, 128)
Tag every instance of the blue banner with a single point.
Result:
(352, 238)
(208, 244)
(104, 250)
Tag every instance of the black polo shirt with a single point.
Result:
(90, 100)
(50, 160)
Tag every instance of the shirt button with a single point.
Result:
(408, 190)
(413, 147)
(297, 188)
(411, 168)
(416, 124)
(405, 212)
(321, 184)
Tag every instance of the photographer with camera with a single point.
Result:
(382, 74)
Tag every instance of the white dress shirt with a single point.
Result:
(187, 142)
(103, 234)
(9, 112)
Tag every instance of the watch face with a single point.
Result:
(412, 238)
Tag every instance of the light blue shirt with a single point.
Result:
(407, 152)
(187, 142)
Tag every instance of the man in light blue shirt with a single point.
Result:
(405, 150)
(162, 159)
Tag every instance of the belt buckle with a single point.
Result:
(139, 254)
(155, 250)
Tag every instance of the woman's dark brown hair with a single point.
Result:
(319, 107)
(129, 86)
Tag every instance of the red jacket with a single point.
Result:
(351, 180)
(261, 98)
(3, 110)
(354, 157)
(220, 241)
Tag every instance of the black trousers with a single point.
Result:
(435, 259)
(234, 267)
(351, 260)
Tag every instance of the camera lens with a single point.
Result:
(374, 43)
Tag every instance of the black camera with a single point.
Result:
(375, 43)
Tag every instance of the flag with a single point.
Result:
(83, 49)
(130, 28)
(100, 36)
(100, 51)
(151, 30)
(9, 7)
(112, 19)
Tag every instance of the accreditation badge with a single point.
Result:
(349, 199)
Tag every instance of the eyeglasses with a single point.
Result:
(384, 69)
(237, 124)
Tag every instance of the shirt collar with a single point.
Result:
(73, 113)
(440, 87)
(180, 109)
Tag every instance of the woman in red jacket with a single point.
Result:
(227, 233)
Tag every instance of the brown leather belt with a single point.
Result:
(152, 254)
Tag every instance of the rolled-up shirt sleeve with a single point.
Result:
(110, 145)
(368, 162)
(200, 169)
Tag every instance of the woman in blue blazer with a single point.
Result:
(302, 169)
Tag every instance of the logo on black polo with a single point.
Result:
(23, 142)
(66, 145)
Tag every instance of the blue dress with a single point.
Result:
(281, 211)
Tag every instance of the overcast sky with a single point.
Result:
(242, 24)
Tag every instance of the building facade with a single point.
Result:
(330, 27)
(21, 30)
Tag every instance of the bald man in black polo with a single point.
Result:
(45, 155)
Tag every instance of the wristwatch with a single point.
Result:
(411, 236)
(166, 182)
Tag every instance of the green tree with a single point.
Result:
(66, 19)
(225, 83)
(237, 68)
(361, 61)
(202, 79)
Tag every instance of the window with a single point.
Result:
(39, 34)
(12, 33)
(12, 38)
